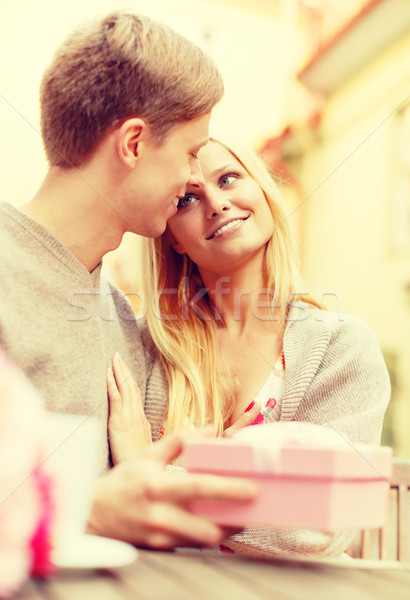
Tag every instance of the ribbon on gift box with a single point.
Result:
(293, 433)
(327, 449)
(269, 440)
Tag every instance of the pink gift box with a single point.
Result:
(309, 477)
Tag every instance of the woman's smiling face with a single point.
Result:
(224, 218)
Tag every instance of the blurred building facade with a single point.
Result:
(352, 164)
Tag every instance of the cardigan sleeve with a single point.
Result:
(156, 390)
(351, 389)
(339, 380)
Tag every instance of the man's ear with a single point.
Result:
(129, 137)
(172, 241)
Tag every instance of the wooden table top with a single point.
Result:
(195, 575)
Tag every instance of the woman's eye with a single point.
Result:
(227, 179)
(187, 200)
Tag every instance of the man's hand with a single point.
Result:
(139, 502)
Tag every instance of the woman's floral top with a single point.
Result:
(270, 394)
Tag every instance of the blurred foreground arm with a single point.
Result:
(139, 502)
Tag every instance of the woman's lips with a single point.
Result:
(231, 224)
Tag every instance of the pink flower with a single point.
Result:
(40, 544)
(25, 487)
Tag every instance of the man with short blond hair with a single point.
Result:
(125, 107)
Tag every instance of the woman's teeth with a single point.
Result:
(227, 226)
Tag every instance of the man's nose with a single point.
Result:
(196, 177)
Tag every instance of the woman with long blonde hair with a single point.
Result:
(238, 341)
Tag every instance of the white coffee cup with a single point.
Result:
(71, 458)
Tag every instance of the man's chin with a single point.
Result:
(157, 232)
(152, 229)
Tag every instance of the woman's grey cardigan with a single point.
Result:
(335, 376)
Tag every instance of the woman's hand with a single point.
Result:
(128, 428)
(246, 418)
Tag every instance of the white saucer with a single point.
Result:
(93, 552)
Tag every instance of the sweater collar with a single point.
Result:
(52, 244)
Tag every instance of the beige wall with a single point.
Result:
(351, 172)
(254, 51)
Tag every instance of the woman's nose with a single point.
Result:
(217, 204)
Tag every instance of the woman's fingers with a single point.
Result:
(113, 393)
(128, 428)
(247, 418)
(125, 381)
(126, 385)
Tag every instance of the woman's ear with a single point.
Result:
(129, 137)
(172, 241)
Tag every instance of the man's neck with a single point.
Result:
(77, 213)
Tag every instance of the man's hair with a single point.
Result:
(121, 67)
